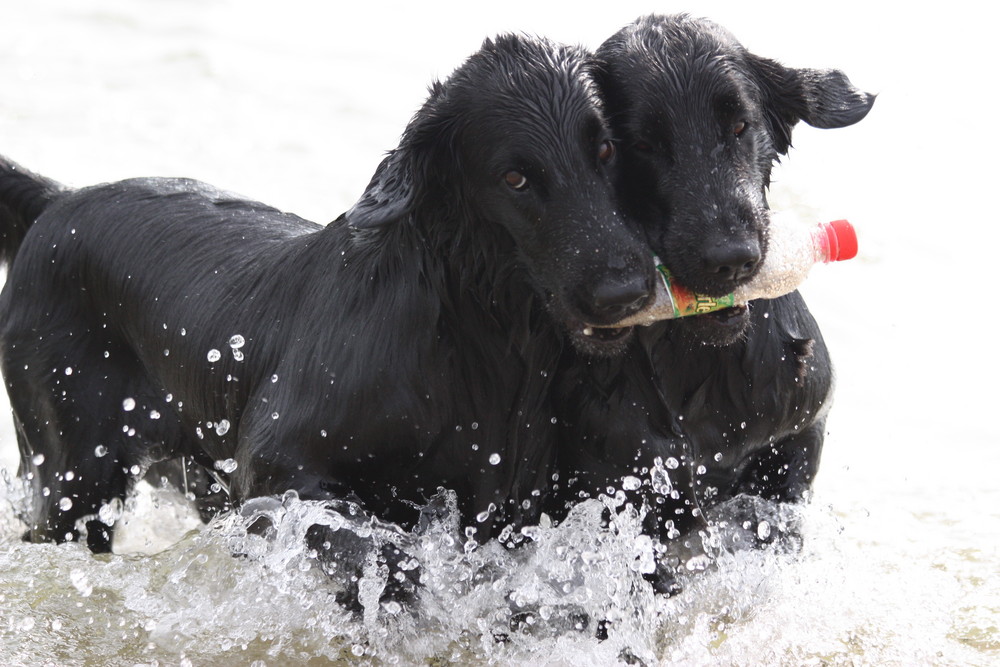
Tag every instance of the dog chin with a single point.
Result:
(718, 329)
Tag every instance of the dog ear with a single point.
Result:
(831, 99)
(822, 98)
(389, 195)
(416, 171)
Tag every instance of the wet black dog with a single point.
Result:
(409, 345)
(704, 408)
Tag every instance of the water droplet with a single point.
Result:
(237, 341)
(153, 414)
(65, 503)
(323, 432)
(494, 459)
(100, 451)
(69, 476)
(698, 563)
(69, 370)
(475, 425)
(38, 459)
(763, 530)
(128, 405)
(135, 470)
(184, 332)
(659, 479)
(222, 427)
(743, 425)
(274, 378)
(701, 470)
(238, 355)
(169, 398)
(111, 511)
(274, 415)
(214, 355)
(630, 483)
(226, 466)
(672, 463)
(718, 456)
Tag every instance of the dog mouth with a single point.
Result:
(605, 334)
(717, 329)
(733, 317)
(600, 341)
(587, 334)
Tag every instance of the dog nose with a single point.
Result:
(732, 262)
(612, 301)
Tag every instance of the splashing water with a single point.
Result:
(572, 592)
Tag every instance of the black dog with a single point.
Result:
(704, 408)
(408, 346)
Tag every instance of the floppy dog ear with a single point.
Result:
(416, 171)
(389, 195)
(822, 98)
(831, 99)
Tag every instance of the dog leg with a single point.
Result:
(73, 475)
(784, 471)
(87, 424)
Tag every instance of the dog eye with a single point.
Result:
(739, 127)
(516, 180)
(605, 151)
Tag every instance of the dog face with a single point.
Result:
(701, 122)
(512, 158)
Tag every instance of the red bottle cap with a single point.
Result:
(843, 240)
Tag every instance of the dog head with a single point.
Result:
(701, 121)
(509, 165)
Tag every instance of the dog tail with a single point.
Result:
(23, 197)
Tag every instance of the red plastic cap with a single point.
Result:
(843, 240)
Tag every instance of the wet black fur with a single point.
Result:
(744, 395)
(409, 345)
